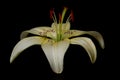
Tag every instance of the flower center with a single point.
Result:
(59, 28)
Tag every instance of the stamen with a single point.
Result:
(52, 15)
(72, 16)
(68, 19)
(60, 18)
(55, 17)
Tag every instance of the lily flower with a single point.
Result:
(56, 39)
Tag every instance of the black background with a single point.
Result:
(32, 63)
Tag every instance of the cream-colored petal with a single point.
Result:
(88, 45)
(41, 31)
(72, 33)
(96, 35)
(55, 52)
(65, 26)
(23, 44)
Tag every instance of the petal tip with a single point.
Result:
(58, 71)
(103, 46)
(11, 61)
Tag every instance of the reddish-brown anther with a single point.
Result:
(60, 17)
(51, 13)
(72, 16)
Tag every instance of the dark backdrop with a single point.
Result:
(32, 63)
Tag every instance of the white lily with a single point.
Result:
(55, 41)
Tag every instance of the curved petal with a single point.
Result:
(88, 45)
(41, 31)
(96, 35)
(55, 52)
(65, 26)
(23, 44)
